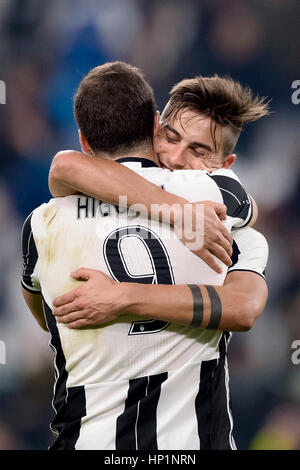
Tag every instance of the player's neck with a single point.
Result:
(144, 151)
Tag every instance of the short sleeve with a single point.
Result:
(238, 203)
(250, 251)
(30, 257)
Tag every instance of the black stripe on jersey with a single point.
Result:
(69, 403)
(126, 422)
(235, 254)
(221, 422)
(136, 426)
(147, 422)
(203, 402)
(29, 252)
(234, 196)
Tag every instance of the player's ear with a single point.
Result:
(85, 147)
(156, 123)
(228, 161)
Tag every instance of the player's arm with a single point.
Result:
(235, 306)
(31, 293)
(74, 172)
(35, 304)
(105, 179)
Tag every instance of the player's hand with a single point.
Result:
(93, 303)
(217, 239)
(204, 234)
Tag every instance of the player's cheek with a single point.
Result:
(165, 152)
(160, 144)
(197, 163)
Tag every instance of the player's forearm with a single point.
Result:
(176, 304)
(35, 305)
(104, 179)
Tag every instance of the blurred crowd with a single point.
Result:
(45, 49)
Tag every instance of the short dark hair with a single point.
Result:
(114, 108)
(225, 101)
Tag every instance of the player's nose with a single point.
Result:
(177, 158)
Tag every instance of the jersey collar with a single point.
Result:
(145, 163)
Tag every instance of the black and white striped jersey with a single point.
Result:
(135, 383)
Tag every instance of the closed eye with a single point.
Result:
(172, 139)
(199, 153)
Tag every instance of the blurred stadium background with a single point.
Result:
(45, 49)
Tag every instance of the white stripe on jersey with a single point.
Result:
(177, 426)
(230, 437)
(104, 403)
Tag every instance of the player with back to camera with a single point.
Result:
(166, 378)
